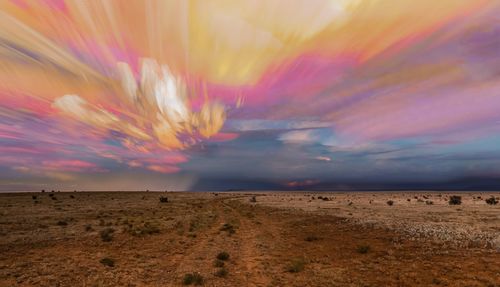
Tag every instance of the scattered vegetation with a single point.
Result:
(429, 202)
(363, 249)
(296, 265)
(491, 201)
(107, 234)
(163, 199)
(223, 256)
(390, 202)
(106, 261)
(222, 272)
(146, 228)
(455, 200)
(253, 199)
(192, 278)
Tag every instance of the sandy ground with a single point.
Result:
(282, 239)
(419, 215)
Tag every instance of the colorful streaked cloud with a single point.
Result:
(293, 94)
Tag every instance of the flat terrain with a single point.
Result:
(269, 239)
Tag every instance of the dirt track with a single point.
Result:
(37, 249)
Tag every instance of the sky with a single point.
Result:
(224, 94)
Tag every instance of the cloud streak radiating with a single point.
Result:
(289, 94)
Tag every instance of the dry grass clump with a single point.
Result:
(163, 199)
(390, 202)
(62, 223)
(228, 227)
(192, 278)
(363, 249)
(218, 263)
(296, 265)
(146, 228)
(107, 234)
(106, 261)
(221, 272)
(311, 238)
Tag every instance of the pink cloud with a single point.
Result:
(222, 137)
(163, 168)
(70, 165)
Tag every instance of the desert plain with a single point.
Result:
(407, 238)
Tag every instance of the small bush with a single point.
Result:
(311, 238)
(71, 196)
(107, 234)
(363, 249)
(491, 201)
(296, 265)
(223, 256)
(192, 278)
(253, 199)
(222, 272)
(218, 263)
(390, 202)
(106, 261)
(228, 227)
(33, 197)
(455, 200)
(88, 228)
(62, 223)
(429, 202)
(163, 199)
